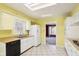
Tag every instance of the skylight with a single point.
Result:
(36, 6)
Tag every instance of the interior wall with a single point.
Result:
(9, 10)
(59, 30)
(75, 10)
(42, 22)
(9, 18)
(59, 27)
(0, 19)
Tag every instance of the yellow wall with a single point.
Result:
(8, 19)
(59, 21)
(12, 12)
(75, 10)
(0, 19)
(59, 29)
(9, 10)
(60, 32)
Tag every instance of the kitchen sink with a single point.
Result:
(76, 42)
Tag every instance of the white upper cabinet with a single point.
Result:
(72, 27)
(6, 21)
(28, 24)
(70, 21)
(73, 32)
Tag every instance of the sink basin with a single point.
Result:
(76, 42)
(22, 36)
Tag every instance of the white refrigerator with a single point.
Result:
(35, 32)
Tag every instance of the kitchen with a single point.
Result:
(17, 37)
(39, 31)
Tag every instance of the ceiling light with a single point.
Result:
(46, 15)
(37, 6)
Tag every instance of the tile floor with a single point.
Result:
(45, 50)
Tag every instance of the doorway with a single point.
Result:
(51, 34)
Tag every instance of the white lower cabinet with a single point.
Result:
(2, 49)
(11, 48)
(17, 47)
(71, 50)
(26, 43)
(21, 45)
(36, 41)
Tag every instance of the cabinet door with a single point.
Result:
(2, 49)
(75, 52)
(6, 21)
(13, 48)
(26, 43)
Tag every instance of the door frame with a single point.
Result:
(47, 31)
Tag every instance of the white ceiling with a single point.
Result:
(37, 6)
(60, 9)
